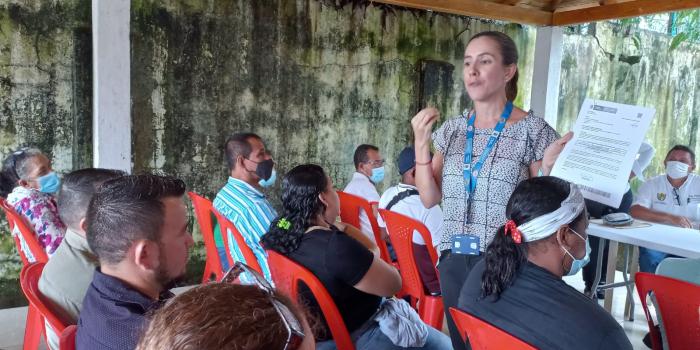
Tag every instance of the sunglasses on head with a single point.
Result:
(295, 330)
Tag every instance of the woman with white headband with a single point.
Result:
(518, 286)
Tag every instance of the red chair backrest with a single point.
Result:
(29, 281)
(483, 335)
(17, 221)
(679, 306)
(225, 225)
(287, 276)
(204, 210)
(401, 229)
(68, 338)
(350, 206)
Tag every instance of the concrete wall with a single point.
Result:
(45, 79)
(314, 80)
(612, 67)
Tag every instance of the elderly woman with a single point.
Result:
(518, 286)
(30, 184)
(480, 157)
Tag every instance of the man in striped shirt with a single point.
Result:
(241, 200)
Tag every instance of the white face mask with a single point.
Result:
(676, 170)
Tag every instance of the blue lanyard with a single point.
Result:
(470, 172)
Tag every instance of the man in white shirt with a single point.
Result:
(672, 199)
(404, 199)
(369, 171)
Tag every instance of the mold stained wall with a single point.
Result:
(611, 67)
(313, 80)
(45, 79)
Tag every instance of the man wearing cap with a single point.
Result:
(403, 199)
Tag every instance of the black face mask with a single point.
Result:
(264, 169)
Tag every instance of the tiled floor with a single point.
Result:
(12, 320)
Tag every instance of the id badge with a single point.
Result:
(465, 244)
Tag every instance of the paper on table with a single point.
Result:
(599, 158)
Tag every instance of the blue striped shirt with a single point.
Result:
(251, 213)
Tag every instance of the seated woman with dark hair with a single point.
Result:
(30, 183)
(342, 258)
(227, 316)
(518, 287)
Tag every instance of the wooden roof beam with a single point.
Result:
(476, 8)
(632, 8)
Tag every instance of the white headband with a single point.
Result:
(545, 225)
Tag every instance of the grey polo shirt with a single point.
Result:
(68, 275)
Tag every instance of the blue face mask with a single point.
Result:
(49, 183)
(270, 181)
(578, 264)
(377, 175)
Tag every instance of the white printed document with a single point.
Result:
(599, 158)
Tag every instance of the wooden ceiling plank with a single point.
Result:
(476, 8)
(553, 5)
(621, 10)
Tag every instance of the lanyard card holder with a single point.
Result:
(465, 244)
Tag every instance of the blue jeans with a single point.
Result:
(374, 339)
(223, 258)
(649, 259)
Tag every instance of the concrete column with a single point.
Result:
(544, 100)
(111, 84)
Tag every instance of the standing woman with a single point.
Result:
(480, 158)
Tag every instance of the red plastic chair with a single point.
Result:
(204, 210)
(226, 225)
(350, 206)
(38, 311)
(16, 220)
(679, 307)
(401, 229)
(287, 275)
(483, 335)
(68, 338)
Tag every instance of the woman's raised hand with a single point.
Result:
(422, 124)
(552, 152)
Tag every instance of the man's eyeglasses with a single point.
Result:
(676, 196)
(376, 163)
(295, 330)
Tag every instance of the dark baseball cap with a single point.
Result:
(407, 159)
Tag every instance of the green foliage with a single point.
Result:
(688, 24)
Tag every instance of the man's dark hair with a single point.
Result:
(127, 209)
(684, 149)
(77, 189)
(238, 145)
(360, 155)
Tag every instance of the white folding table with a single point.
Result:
(668, 239)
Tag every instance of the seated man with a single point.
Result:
(68, 273)
(241, 201)
(369, 171)
(137, 227)
(672, 199)
(403, 199)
